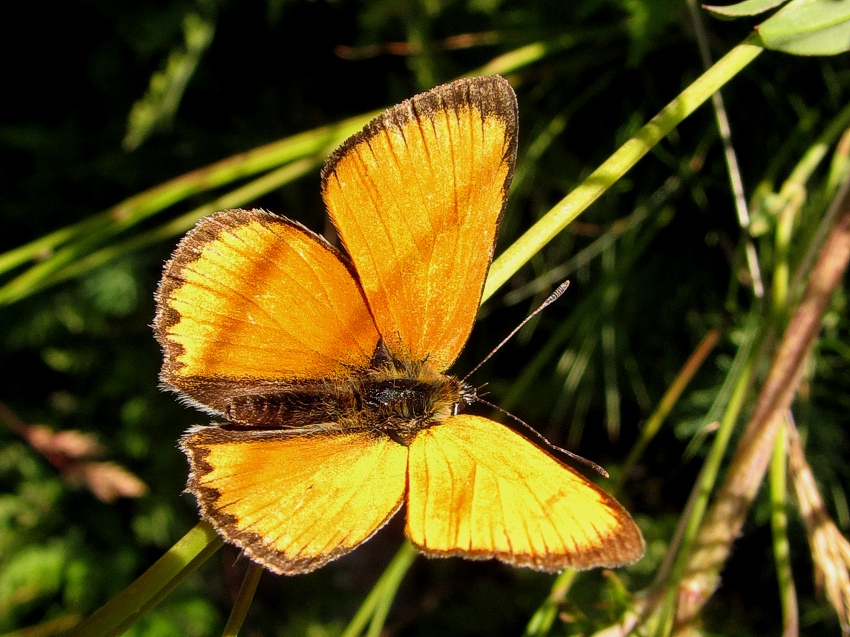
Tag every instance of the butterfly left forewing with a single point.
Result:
(295, 502)
(249, 299)
(479, 490)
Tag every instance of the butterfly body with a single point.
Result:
(329, 368)
(392, 397)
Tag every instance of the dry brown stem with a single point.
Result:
(830, 549)
(726, 516)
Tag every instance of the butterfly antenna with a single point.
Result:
(551, 299)
(597, 468)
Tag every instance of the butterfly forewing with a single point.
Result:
(252, 297)
(416, 198)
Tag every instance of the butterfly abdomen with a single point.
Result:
(294, 406)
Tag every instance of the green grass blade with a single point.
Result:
(571, 206)
(123, 610)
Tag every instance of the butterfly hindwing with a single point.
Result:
(417, 197)
(480, 490)
(295, 502)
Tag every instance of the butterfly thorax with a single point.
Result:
(392, 397)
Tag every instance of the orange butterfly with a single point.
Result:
(330, 369)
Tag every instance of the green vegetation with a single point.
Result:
(701, 354)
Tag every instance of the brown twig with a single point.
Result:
(460, 41)
(726, 516)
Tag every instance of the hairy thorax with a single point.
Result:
(392, 397)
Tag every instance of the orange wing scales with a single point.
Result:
(478, 489)
(417, 198)
(294, 503)
(250, 295)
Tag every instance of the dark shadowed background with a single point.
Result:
(78, 354)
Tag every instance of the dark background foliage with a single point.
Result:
(81, 356)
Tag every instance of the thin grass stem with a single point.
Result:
(383, 592)
(243, 600)
(778, 482)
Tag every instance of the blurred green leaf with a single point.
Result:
(742, 9)
(29, 575)
(156, 110)
(114, 289)
(193, 617)
(808, 27)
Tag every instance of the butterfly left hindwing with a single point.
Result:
(294, 503)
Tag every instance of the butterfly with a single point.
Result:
(327, 370)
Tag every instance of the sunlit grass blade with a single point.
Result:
(100, 228)
(152, 586)
(571, 206)
(544, 617)
(32, 281)
(779, 527)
